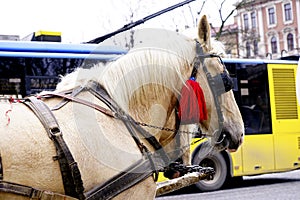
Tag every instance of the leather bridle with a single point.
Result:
(219, 84)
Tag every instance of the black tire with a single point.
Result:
(216, 161)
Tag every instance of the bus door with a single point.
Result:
(285, 115)
(252, 95)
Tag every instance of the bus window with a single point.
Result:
(32, 75)
(255, 100)
(31, 67)
(252, 96)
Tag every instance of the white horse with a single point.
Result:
(145, 83)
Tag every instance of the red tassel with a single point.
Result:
(192, 106)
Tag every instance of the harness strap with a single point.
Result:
(199, 59)
(135, 173)
(74, 92)
(101, 94)
(68, 98)
(216, 84)
(132, 127)
(114, 111)
(138, 171)
(31, 192)
(73, 184)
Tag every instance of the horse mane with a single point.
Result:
(163, 64)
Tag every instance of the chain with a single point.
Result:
(167, 129)
(124, 117)
(198, 133)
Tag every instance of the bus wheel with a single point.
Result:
(216, 161)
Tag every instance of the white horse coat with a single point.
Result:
(145, 83)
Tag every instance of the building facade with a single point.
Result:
(268, 28)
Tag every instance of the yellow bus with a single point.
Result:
(42, 35)
(265, 91)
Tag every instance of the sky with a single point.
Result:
(83, 20)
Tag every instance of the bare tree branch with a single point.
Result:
(223, 21)
(191, 12)
(201, 7)
(220, 11)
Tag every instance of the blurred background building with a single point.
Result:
(267, 29)
(10, 37)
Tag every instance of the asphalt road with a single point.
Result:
(279, 186)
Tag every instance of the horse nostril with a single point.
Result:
(241, 139)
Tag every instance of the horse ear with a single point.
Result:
(204, 33)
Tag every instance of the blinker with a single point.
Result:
(222, 83)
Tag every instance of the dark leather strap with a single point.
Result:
(68, 98)
(71, 176)
(30, 192)
(138, 171)
(115, 111)
(96, 89)
(135, 173)
(133, 128)
(74, 92)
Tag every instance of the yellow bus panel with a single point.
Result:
(284, 105)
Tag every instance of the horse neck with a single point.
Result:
(150, 106)
(146, 83)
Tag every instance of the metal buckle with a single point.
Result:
(55, 131)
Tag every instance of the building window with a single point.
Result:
(287, 12)
(274, 44)
(271, 12)
(248, 49)
(246, 22)
(255, 47)
(253, 19)
(290, 42)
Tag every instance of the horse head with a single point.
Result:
(224, 121)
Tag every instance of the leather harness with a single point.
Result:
(73, 185)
